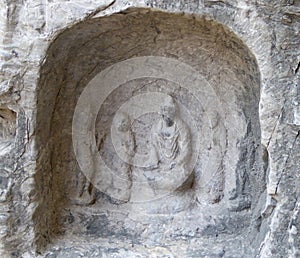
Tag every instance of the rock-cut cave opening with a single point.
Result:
(178, 88)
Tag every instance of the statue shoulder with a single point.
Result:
(156, 126)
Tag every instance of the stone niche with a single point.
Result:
(161, 88)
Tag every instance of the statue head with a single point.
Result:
(168, 110)
(123, 122)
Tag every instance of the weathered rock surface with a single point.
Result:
(243, 197)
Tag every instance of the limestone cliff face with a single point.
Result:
(247, 53)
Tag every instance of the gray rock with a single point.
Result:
(69, 68)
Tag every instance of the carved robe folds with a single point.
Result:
(169, 155)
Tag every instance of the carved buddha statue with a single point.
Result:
(170, 149)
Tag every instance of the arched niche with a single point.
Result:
(228, 119)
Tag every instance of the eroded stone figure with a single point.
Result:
(124, 144)
(170, 150)
(216, 184)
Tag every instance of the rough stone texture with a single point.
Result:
(247, 50)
